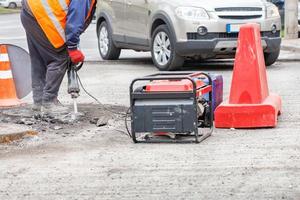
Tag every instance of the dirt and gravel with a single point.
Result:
(92, 116)
(83, 161)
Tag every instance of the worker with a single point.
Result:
(53, 29)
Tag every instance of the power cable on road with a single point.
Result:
(125, 115)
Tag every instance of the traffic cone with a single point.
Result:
(8, 95)
(250, 105)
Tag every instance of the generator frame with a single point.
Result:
(192, 94)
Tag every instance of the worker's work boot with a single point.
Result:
(36, 107)
(54, 109)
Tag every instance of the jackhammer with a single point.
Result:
(73, 85)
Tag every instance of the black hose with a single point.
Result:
(126, 122)
(89, 94)
(125, 115)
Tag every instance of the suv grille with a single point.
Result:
(240, 16)
(210, 36)
(238, 9)
(239, 13)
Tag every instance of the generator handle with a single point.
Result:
(182, 74)
(160, 78)
(172, 76)
(187, 73)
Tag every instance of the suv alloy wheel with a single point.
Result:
(107, 48)
(163, 51)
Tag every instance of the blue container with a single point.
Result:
(217, 92)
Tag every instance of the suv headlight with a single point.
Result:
(272, 11)
(191, 13)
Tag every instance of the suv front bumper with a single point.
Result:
(210, 47)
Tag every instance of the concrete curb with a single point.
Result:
(290, 48)
(127, 62)
(288, 60)
(139, 61)
(12, 132)
(146, 63)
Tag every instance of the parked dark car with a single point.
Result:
(280, 6)
(278, 3)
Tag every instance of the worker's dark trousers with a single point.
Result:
(48, 65)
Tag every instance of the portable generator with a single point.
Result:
(170, 107)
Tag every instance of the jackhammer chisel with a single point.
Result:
(73, 85)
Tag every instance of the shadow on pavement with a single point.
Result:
(211, 65)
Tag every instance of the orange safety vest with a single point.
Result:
(51, 15)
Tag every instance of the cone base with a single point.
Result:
(8, 103)
(249, 115)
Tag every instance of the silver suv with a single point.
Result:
(177, 30)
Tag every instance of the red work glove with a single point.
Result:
(76, 56)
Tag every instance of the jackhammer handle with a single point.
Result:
(74, 66)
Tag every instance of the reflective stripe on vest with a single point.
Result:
(51, 16)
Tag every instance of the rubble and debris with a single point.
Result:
(25, 121)
(62, 125)
(94, 120)
(6, 120)
(57, 128)
(102, 121)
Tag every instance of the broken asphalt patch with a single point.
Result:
(22, 121)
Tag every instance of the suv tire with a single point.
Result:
(163, 51)
(12, 5)
(106, 46)
(270, 58)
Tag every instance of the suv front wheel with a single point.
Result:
(163, 50)
(12, 5)
(270, 58)
(107, 48)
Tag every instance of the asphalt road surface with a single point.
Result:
(88, 162)
(101, 163)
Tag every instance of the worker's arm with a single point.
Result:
(76, 18)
